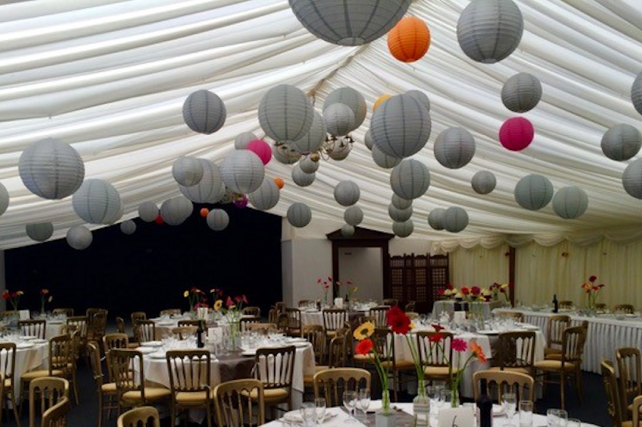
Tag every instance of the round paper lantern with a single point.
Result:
(301, 178)
(210, 189)
(204, 112)
(261, 149)
(284, 154)
(241, 203)
(401, 127)
(159, 219)
(409, 40)
(437, 219)
(148, 211)
(621, 142)
(533, 192)
(312, 140)
(4, 199)
(347, 193)
(40, 232)
(242, 171)
(490, 30)
(383, 160)
(204, 212)
(399, 215)
(636, 93)
(367, 139)
(421, 97)
(339, 119)
(353, 99)
(380, 101)
(454, 148)
(51, 169)
(484, 182)
(308, 165)
(521, 92)
(187, 171)
(516, 133)
(176, 210)
(410, 179)
(632, 179)
(128, 227)
(299, 215)
(352, 23)
(347, 230)
(218, 219)
(242, 139)
(279, 182)
(400, 203)
(570, 202)
(340, 151)
(285, 114)
(97, 202)
(403, 229)
(455, 219)
(353, 215)
(79, 237)
(267, 195)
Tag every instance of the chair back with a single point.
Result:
(389, 301)
(98, 324)
(613, 404)
(331, 383)
(432, 351)
(294, 318)
(573, 340)
(244, 321)
(61, 353)
(384, 344)
(517, 350)
(274, 367)
(565, 304)
(66, 311)
(7, 361)
(233, 408)
(273, 315)
(517, 316)
(410, 306)
(280, 306)
(261, 327)
(94, 360)
(138, 315)
(124, 364)
(630, 374)
(171, 312)
(555, 329)
(624, 308)
(144, 416)
(56, 416)
(184, 331)
(379, 315)
(120, 325)
(145, 330)
(337, 354)
(187, 322)
(80, 322)
(33, 328)
(189, 371)
(500, 382)
(334, 318)
(316, 336)
(115, 340)
(251, 311)
(45, 393)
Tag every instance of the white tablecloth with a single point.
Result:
(27, 359)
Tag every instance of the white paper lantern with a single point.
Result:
(383, 160)
(40, 232)
(97, 202)
(79, 237)
(51, 169)
(454, 148)
(218, 219)
(400, 203)
(313, 139)
(187, 171)
(410, 179)
(148, 211)
(210, 189)
(522, 92)
(621, 142)
(570, 202)
(399, 215)
(176, 210)
(401, 126)
(284, 154)
(242, 171)
(632, 179)
(483, 182)
(352, 99)
(533, 192)
(285, 114)
(349, 23)
(204, 112)
(403, 229)
(437, 219)
(267, 195)
(347, 230)
(347, 193)
(301, 178)
(339, 119)
(340, 151)
(421, 97)
(128, 227)
(490, 30)
(367, 139)
(4, 199)
(455, 219)
(308, 165)
(353, 215)
(636, 93)
(242, 139)
(299, 215)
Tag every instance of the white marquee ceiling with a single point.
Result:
(110, 77)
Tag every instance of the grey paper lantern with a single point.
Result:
(352, 99)
(533, 192)
(570, 202)
(187, 171)
(204, 112)
(483, 182)
(454, 148)
(347, 193)
(400, 126)
(210, 189)
(128, 227)
(410, 179)
(242, 171)
(455, 219)
(340, 150)
(97, 202)
(367, 139)
(399, 215)
(301, 178)
(636, 93)
(51, 169)
(522, 92)
(437, 219)
(421, 97)
(176, 210)
(148, 211)
(267, 195)
(40, 232)
(349, 23)
(347, 230)
(339, 119)
(4, 199)
(400, 203)
(621, 142)
(79, 237)
(353, 215)
(284, 154)
(632, 179)
(218, 219)
(403, 229)
(299, 215)
(313, 139)
(285, 114)
(383, 160)
(308, 165)
(242, 139)
(490, 30)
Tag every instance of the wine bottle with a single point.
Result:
(555, 304)
(485, 407)
(199, 335)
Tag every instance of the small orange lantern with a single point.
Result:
(380, 101)
(409, 40)
(204, 212)
(279, 182)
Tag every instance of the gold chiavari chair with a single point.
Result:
(33, 328)
(630, 374)
(233, 407)
(517, 351)
(103, 389)
(251, 311)
(56, 416)
(379, 315)
(145, 331)
(189, 378)
(44, 393)
(500, 382)
(145, 416)
(7, 369)
(613, 404)
(331, 383)
(333, 319)
(274, 367)
(554, 331)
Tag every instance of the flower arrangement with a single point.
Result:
(230, 307)
(500, 292)
(448, 293)
(327, 284)
(399, 323)
(350, 288)
(45, 298)
(13, 298)
(196, 297)
(592, 290)
(365, 346)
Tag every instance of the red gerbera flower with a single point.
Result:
(438, 337)
(437, 327)
(364, 346)
(592, 279)
(398, 321)
(458, 344)
(465, 290)
(449, 286)
(475, 290)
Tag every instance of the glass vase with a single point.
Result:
(421, 406)
(454, 396)
(385, 417)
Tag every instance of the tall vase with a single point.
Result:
(454, 396)
(386, 417)
(234, 335)
(421, 406)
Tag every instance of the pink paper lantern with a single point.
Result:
(241, 203)
(261, 149)
(516, 134)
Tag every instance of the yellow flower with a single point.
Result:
(412, 325)
(218, 304)
(20, 293)
(186, 294)
(51, 298)
(355, 289)
(504, 286)
(364, 331)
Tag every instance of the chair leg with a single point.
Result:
(578, 385)
(562, 387)
(15, 407)
(75, 381)
(100, 408)
(172, 411)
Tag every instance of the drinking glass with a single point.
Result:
(319, 411)
(350, 401)
(525, 413)
(573, 422)
(444, 398)
(509, 403)
(364, 403)
(556, 417)
(308, 413)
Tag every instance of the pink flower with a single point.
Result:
(458, 344)
(229, 303)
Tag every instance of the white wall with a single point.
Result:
(363, 266)
(407, 246)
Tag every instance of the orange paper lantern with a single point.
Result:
(204, 212)
(409, 40)
(380, 101)
(279, 182)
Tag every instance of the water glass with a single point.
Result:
(444, 398)
(525, 413)
(308, 413)
(364, 402)
(350, 401)
(573, 422)
(556, 417)
(319, 411)
(509, 403)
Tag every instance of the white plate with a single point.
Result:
(151, 344)
(157, 355)
(168, 323)
(489, 332)
(146, 350)
(28, 338)
(498, 410)
(39, 341)
(295, 416)
(530, 327)
(293, 340)
(25, 345)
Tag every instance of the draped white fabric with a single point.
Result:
(110, 77)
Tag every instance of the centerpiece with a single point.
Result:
(13, 298)
(592, 291)
(45, 298)
(326, 284)
(229, 313)
(196, 298)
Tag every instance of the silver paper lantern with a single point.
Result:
(308, 165)
(454, 148)
(285, 114)
(128, 227)
(301, 178)
(347, 230)
(339, 119)
(4, 199)
(353, 215)
(490, 30)
(632, 179)
(299, 215)
(187, 171)
(410, 179)
(455, 219)
(570, 202)
(403, 229)
(347, 193)
(97, 202)
(313, 139)
(621, 142)
(367, 139)
(148, 211)
(383, 160)
(242, 171)
(242, 139)
(484, 182)
(401, 126)
(210, 189)
(51, 169)
(636, 93)
(400, 203)
(284, 154)
(533, 192)
(40, 232)
(176, 210)
(204, 112)
(421, 97)
(349, 23)
(522, 92)
(340, 150)
(218, 219)
(399, 215)
(351, 98)
(437, 219)
(79, 237)
(267, 195)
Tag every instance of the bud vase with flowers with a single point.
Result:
(592, 291)
(45, 298)
(230, 312)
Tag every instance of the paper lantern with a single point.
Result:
(516, 133)
(490, 30)
(410, 179)
(380, 101)
(401, 127)
(533, 192)
(353, 215)
(570, 202)
(51, 169)
(79, 237)
(301, 178)
(204, 112)
(521, 92)
(455, 219)
(621, 142)
(409, 40)
(339, 119)
(347, 193)
(266, 196)
(400, 203)
(242, 139)
(367, 139)
(187, 171)
(176, 210)
(349, 23)
(437, 219)
(97, 202)
(218, 219)
(353, 99)
(312, 140)
(399, 215)
(403, 229)
(632, 179)
(148, 211)
(383, 160)
(339, 151)
(483, 182)
(242, 171)
(308, 165)
(421, 97)
(454, 148)
(636, 93)
(203, 212)
(159, 219)
(347, 230)
(40, 232)
(285, 114)
(299, 215)
(284, 154)
(241, 203)
(210, 189)
(279, 182)
(128, 227)
(4, 199)
(261, 149)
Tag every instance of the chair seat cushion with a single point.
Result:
(191, 397)
(109, 388)
(270, 395)
(309, 379)
(552, 350)
(553, 356)
(554, 365)
(402, 364)
(520, 370)
(362, 358)
(42, 373)
(152, 394)
(438, 371)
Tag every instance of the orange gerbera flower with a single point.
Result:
(478, 351)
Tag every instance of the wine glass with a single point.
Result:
(364, 403)
(319, 411)
(525, 413)
(509, 403)
(444, 397)
(350, 401)
(556, 417)
(308, 413)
